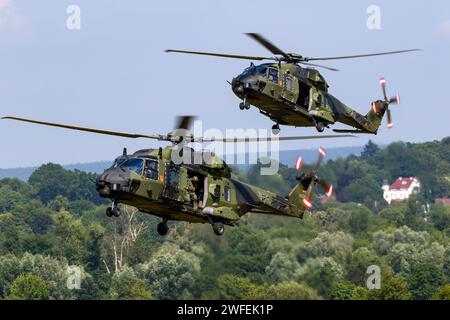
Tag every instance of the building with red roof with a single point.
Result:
(401, 189)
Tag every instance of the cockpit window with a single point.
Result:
(133, 165)
(118, 161)
(261, 70)
(273, 75)
(151, 170)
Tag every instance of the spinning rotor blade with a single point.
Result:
(110, 133)
(289, 138)
(184, 122)
(322, 154)
(268, 45)
(319, 66)
(223, 55)
(361, 55)
(390, 124)
(328, 188)
(383, 87)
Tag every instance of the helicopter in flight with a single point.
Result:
(198, 189)
(292, 95)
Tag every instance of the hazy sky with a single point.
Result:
(113, 72)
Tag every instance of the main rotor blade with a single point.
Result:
(268, 45)
(319, 66)
(361, 55)
(66, 126)
(289, 138)
(223, 55)
(184, 122)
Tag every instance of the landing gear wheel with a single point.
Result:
(116, 211)
(109, 212)
(162, 228)
(276, 129)
(320, 126)
(244, 105)
(218, 228)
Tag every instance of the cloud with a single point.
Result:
(8, 15)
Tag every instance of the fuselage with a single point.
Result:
(292, 95)
(151, 182)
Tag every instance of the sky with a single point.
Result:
(113, 74)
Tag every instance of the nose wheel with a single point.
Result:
(114, 210)
(276, 129)
(244, 104)
(162, 228)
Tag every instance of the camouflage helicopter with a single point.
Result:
(292, 95)
(197, 189)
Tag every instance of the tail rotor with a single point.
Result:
(310, 179)
(387, 102)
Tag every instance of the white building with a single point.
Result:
(401, 189)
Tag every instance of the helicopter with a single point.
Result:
(199, 188)
(292, 95)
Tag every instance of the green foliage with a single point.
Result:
(57, 219)
(393, 287)
(52, 180)
(171, 272)
(342, 290)
(442, 293)
(126, 285)
(424, 280)
(28, 287)
(231, 287)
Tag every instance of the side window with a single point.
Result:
(227, 193)
(289, 82)
(273, 75)
(151, 170)
(217, 192)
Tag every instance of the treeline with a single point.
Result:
(56, 220)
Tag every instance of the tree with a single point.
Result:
(127, 229)
(395, 214)
(359, 220)
(231, 287)
(52, 180)
(393, 287)
(342, 290)
(370, 149)
(442, 293)
(28, 287)
(292, 290)
(424, 280)
(171, 272)
(127, 286)
(361, 259)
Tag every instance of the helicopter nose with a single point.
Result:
(237, 86)
(111, 182)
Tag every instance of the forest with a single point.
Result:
(56, 220)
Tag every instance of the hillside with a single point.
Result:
(56, 219)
